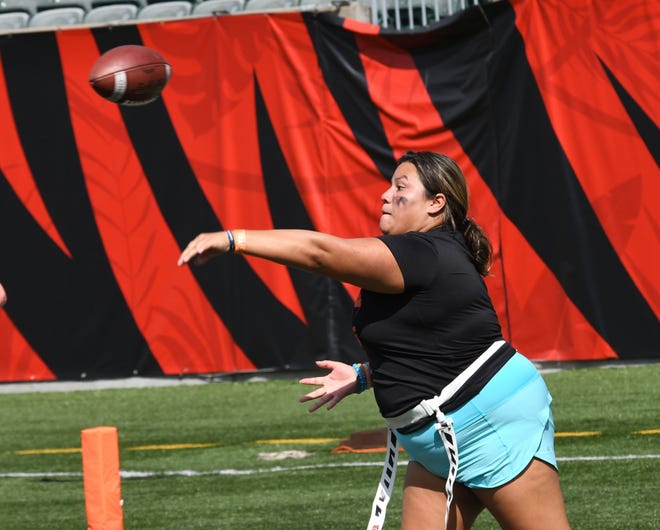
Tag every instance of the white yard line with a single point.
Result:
(128, 474)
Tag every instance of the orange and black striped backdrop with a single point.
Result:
(295, 120)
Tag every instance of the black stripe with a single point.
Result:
(485, 91)
(264, 328)
(647, 129)
(72, 312)
(327, 305)
(340, 63)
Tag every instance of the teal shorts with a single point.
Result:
(498, 431)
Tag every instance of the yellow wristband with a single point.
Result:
(241, 243)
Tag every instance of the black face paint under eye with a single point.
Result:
(400, 201)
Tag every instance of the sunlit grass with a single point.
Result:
(219, 432)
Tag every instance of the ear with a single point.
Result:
(437, 204)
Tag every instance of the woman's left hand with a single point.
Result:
(335, 386)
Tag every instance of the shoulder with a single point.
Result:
(433, 240)
(412, 243)
(417, 254)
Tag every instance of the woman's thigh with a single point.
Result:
(531, 501)
(424, 502)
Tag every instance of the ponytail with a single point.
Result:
(479, 246)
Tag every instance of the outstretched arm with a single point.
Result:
(365, 262)
(335, 386)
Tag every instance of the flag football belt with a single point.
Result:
(428, 407)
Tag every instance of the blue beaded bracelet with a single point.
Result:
(362, 378)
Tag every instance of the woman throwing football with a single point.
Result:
(443, 377)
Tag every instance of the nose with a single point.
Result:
(387, 195)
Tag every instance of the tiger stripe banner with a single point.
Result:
(295, 120)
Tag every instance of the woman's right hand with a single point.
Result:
(335, 386)
(204, 247)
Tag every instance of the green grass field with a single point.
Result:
(193, 457)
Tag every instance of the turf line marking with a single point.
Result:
(174, 447)
(65, 450)
(171, 447)
(576, 434)
(604, 458)
(296, 441)
(278, 469)
(648, 431)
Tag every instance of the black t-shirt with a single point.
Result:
(419, 341)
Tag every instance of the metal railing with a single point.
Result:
(402, 14)
(20, 15)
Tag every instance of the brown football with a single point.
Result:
(130, 75)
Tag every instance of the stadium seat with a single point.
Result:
(29, 6)
(111, 13)
(56, 17)
(266, 5)
(324, 4)
(43, 5)
(210, 7)
(99, 3)
(171, 9)
(13, 20)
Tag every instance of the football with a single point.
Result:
(130, 75)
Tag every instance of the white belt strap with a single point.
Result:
(428, 407)
(384, 492)
(445, 427)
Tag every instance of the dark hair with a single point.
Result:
(440, 174)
